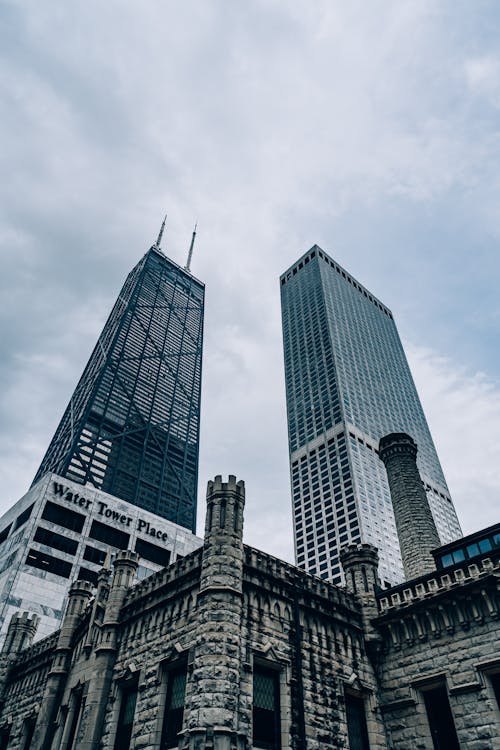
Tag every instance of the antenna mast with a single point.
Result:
(187, 267)
(160, 235)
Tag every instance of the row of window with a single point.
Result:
(20, 521)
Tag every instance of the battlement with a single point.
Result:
(124, 556)
(81, 587)
(43, 647)
(217, 486)
(308, 583)
(426, 587)
(164, 577)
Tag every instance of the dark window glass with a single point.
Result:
(23, 517)
(107, 534)
(46, 562)
(485, 545)
(84, 574)
(126, 716)
(174, 707)
(152, 552)
(266, 714)
(4, 736)
(472, 550)
(446, 560)
(495, 681)
(76, 710)
(63, 516)
(3, 536)
(356, 722)
(92, 554)
(443, 733)
(28, 729)
(57, 541)
(458, 556)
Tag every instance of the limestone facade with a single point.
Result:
(230, 648)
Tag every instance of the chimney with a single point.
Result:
(414, 521)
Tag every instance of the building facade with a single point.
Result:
(131, 428)
(232, 649)
(347, 384)
(60, 531)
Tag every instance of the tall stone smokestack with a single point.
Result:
(414, 521)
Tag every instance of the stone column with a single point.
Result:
(212, 717)
(78, 598)
(90, 730)
(414, 521)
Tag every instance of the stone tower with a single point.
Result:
(213, 694)
(417, 531)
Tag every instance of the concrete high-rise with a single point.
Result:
(131, 428)
(348, 384)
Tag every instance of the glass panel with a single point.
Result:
(266, 717)
(485, 545)
(472, 550)
(458, 555)
(356, 723)
(444, 736)
(174, 707)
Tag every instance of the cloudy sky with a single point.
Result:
(370, 128)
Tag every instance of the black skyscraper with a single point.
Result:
(131, 427)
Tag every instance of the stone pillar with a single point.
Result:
(212, 717)
(90, 729)
(414, 521)
(78, 598)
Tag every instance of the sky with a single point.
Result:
(371, 129)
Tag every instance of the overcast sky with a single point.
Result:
(369, 128)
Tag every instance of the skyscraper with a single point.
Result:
(347, 384)
(131, 427)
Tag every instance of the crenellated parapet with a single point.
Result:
(440, 603)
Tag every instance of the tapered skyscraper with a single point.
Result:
(131, 427)
(347, 385)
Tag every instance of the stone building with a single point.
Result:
(229, 648)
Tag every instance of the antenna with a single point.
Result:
(160, 235)
(187, 267)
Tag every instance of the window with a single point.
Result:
(85, 574)
(126, 715)
(495, 683)
(174, 706)
(266, 714)
(28, 730)
(92, 554)
(152, 552)
(3, 536)
(440, 718)
(49, 563)
(23, 517)
(56, 541)
(63, 517)
(77, 703)
(4, 736)
(356, 722)
(107, 534)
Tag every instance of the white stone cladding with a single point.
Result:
(25, 587)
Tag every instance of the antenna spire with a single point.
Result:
(160, 235)
(187, 267)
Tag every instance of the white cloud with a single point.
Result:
(463, 411)
(483, 77)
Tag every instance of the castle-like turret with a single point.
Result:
(214, 685)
